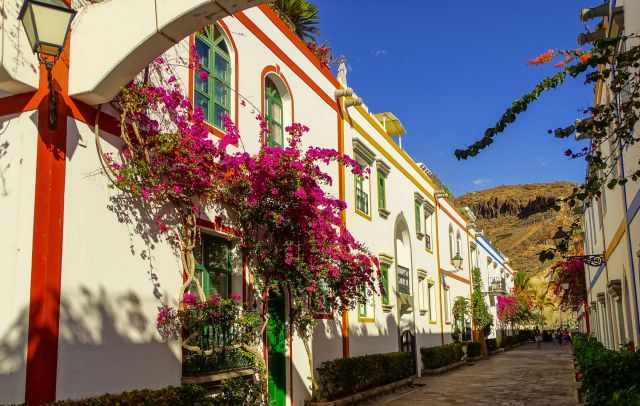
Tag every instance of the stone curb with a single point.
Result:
(442, 370)
(360, 396)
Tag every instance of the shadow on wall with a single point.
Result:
(106, 344)
(327, 346)
(4, 167)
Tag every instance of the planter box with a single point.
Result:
(218, 376)
(360, 396)
(497, 351)
(443, 369)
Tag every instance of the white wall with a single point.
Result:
(18, 136)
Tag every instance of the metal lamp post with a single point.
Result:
(47, 23)
(456, 261)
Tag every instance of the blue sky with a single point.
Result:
(449, 69)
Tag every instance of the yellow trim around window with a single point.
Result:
(364, 215)
(391, 159)
(355, 197)
(367, 319)
(365, 114)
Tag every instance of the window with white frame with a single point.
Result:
(423, 291)
(428, 226)
(447, 305)
(450, 241)
(431, 289)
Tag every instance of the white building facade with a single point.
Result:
(611, 226)
(83, 286)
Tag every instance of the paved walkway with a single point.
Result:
(525, 376)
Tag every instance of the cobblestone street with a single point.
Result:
(523, 376)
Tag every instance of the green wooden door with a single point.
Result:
(276, 342)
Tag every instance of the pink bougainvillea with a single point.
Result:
(571, 274)
(507, 308)
(288, 226)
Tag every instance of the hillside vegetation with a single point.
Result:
(520, 219)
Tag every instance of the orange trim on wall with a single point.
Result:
(284, 28)
(268, 42)
(236, 73)
(87, 114)
(452, 217)
(46, 255)
(454, 276)
(343, 219)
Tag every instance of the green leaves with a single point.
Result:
(509, 116)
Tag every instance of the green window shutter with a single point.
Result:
(213, 258)
(362, 197)
(384, 270)
(213, 92)
(382, 192)
(273, 105)
(417, 215)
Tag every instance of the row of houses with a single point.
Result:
(83, 286)
(611, 224)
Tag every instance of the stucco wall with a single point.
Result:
(18, 136)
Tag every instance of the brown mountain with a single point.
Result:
(520, 219)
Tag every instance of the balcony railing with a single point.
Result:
(404, 280)
(497, 285)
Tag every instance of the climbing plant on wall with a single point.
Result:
(287, 226)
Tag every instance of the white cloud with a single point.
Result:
(480, 181)
(380, 52)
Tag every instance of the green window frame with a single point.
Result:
(366, 309)
(384, 272)
(362, 195)
(213, 265)
(273, 113)
(382, 191)
(417, 208)
(213, 92)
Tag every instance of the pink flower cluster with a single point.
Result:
(507, 307)
(290, 227)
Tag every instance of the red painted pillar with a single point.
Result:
(46, 256)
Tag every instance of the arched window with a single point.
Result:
(458, 244)
(273, 113)
(212, 90)
(450, 241)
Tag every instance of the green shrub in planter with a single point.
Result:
(492, 344)
(234, 392)
(507, 341)
(474, 349)
(347, 376)
(437, 357)
(174, 395)
(608, 377)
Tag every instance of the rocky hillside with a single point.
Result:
(519, 219)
